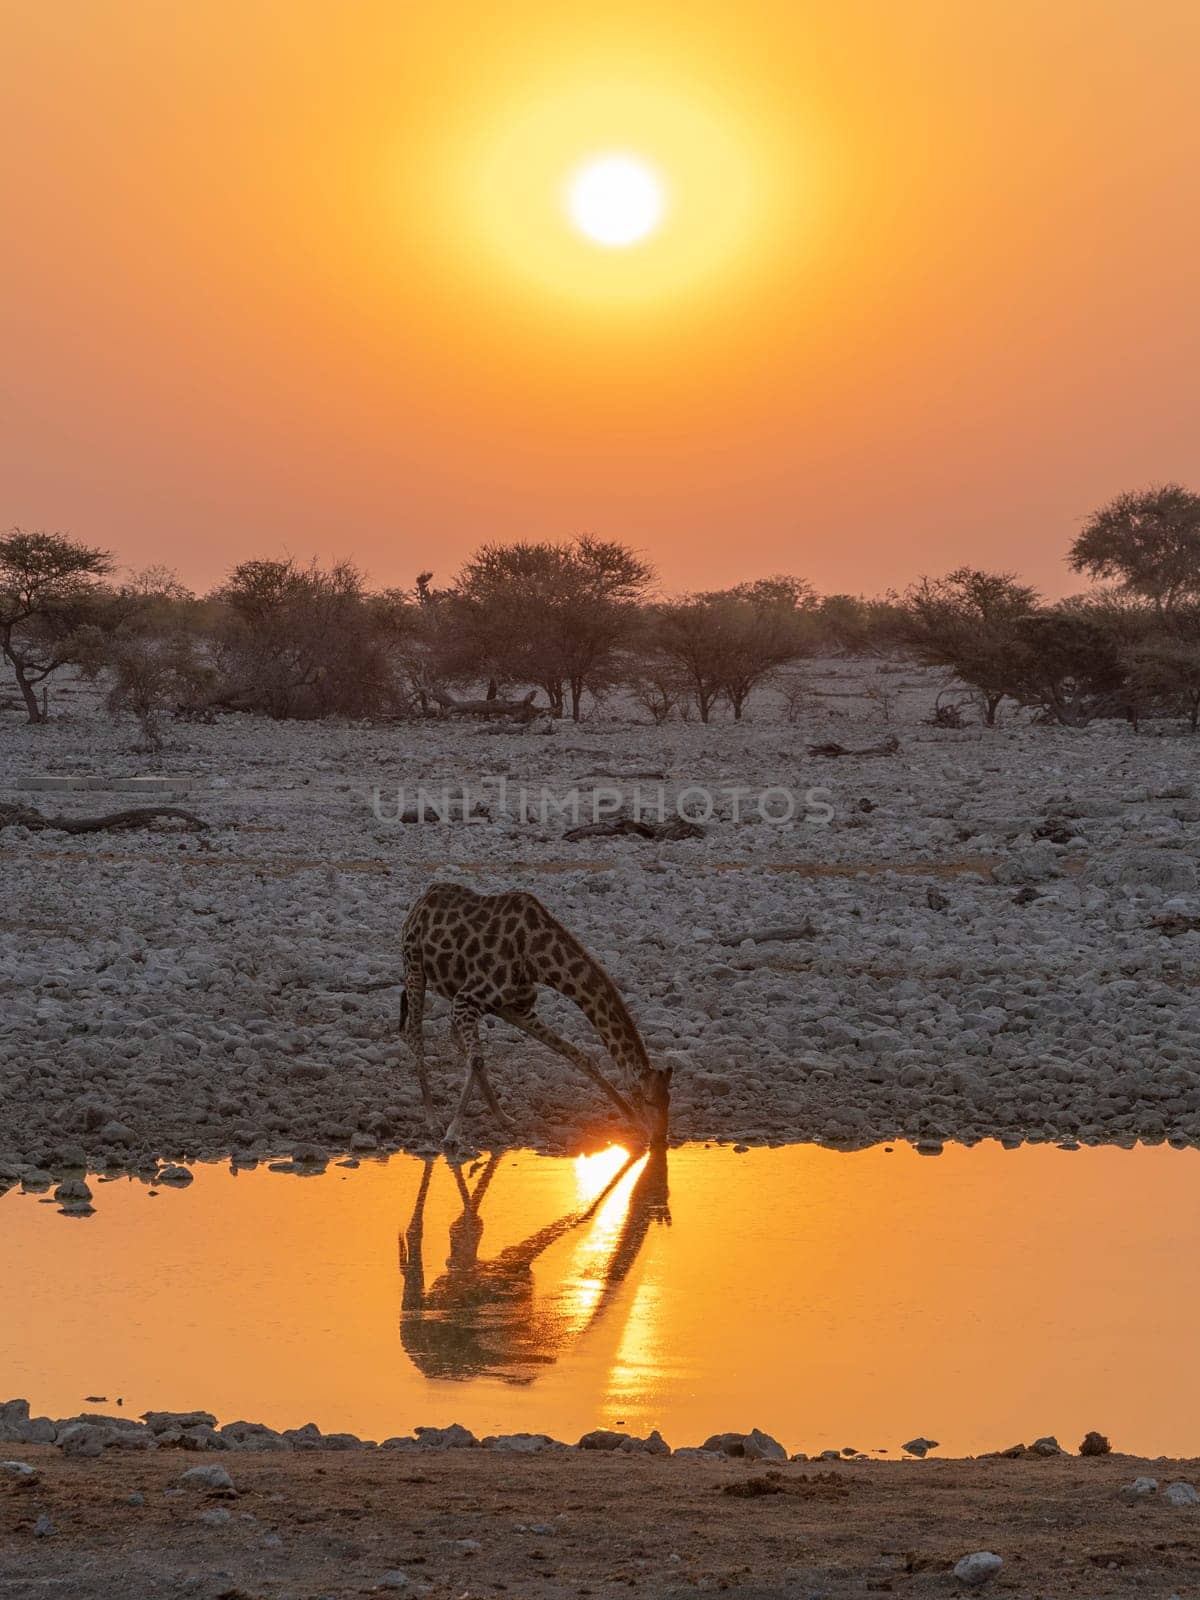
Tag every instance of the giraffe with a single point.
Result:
(482, 1318)
(486, 954)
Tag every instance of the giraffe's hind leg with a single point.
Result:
(529, 1022)
(414, 1031)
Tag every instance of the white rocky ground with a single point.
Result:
(983, 955)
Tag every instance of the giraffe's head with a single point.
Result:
(653, 1101)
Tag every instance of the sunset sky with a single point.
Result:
(297, 275)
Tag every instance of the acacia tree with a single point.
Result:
(727, 642)
(49, 594)
(1069, 667)
(768, 624)
(855, 626)
(1161, 651)
(968, 621)
(1148, 541)
(687, 633)
(555, 615)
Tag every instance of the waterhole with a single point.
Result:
(979, 1298)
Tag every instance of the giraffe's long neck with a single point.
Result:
(598, 997)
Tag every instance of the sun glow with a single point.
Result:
(616, 200)
(617, 189)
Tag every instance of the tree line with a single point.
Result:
(576, 621)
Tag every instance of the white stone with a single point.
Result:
(978, 1568)
(206, 1477)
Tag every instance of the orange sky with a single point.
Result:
(287, 275)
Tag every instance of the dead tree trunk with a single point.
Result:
(138, 817)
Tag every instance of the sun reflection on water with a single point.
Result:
(587, 1271)
(593, 1171)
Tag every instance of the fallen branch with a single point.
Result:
(454, 812)
(139, 817)
(1172, 924)
(518, 710)
(799, 930)
(621, 777)
(832, 750)
(677, 828)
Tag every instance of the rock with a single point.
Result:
(207, 1477)
(523, 1443)
(753, 1446)
(252, 1436)
(310, 1155)
(84, 1439)
(1181, 1493)
(174, 1175)
(20, 1473)
(18, 1427)
(1153, 871)
(137, 1498)
(1047, 1446)
(978, 1568)
(92, 1432)
(693, 1452)
(601, 1439)
(455, 1437)
(1095, 1444)
(1139, 1489)
(73, 1194)
(308, 1437)
(919, 1447)
(469, 1547)
(393, 1580)
(217, 1517)
(164, 1421)
(609, 1439)
(43, 1527)
(201, 1437)
(652, 1445)
(1033, 864)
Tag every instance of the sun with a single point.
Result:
(615, 200)
(616, 189)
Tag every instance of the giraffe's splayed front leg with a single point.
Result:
(464, 1025)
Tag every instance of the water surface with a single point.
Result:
(981, 1297)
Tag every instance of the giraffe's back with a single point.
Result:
(486, 942)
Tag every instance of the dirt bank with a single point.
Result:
(468, 1523)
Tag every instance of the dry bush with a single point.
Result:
(305, 642)
(153, 678)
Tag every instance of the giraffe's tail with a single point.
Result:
(403, 1007)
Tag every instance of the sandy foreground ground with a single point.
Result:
(992, 933)
(468, 1523)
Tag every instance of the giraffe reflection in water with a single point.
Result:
(483, 1318)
